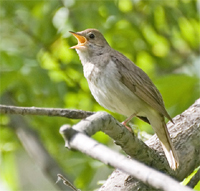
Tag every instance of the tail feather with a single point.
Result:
(160, 129)
(169, 150)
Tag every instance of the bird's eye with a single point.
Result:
(91, 36)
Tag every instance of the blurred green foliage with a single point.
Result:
(38, 69)
(186, 180)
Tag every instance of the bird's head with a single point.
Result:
(90, 40)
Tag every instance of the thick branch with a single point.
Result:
(75, 140)
(185, 135)
(133, 146)
(68, 113)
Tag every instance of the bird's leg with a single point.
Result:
(127, 120)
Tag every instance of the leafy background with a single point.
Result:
(38, 69)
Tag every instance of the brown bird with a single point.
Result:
(120, 86)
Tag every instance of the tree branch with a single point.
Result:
(68, 113)
(185, 135)
(76, 140)
(132, 145)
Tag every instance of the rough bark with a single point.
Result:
(79, 141)
(69, 113)
(185, 134)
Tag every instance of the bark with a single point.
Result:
(185, 134)
(79, 141)
(69, 113)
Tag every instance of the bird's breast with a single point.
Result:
(108, 90)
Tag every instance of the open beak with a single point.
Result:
(81, 39)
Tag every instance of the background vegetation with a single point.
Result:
(38, 69)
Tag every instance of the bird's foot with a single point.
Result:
(127, 120)
(124, 123)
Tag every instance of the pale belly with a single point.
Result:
(112, 94)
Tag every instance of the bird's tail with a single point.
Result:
(169, 149)
(164, 137)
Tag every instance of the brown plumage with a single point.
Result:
(120, 86)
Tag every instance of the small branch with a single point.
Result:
(184, 134)
(68, 113)
(194, 180)
(132, 145)
(76, 140)
(66, 182)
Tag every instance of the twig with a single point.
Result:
(66, 182)
(68, 113)
(76, 140)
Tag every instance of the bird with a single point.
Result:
(120, 86)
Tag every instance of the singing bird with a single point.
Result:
(120, 86)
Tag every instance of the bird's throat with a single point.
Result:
(83, 56)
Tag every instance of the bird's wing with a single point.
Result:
(139, 83)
